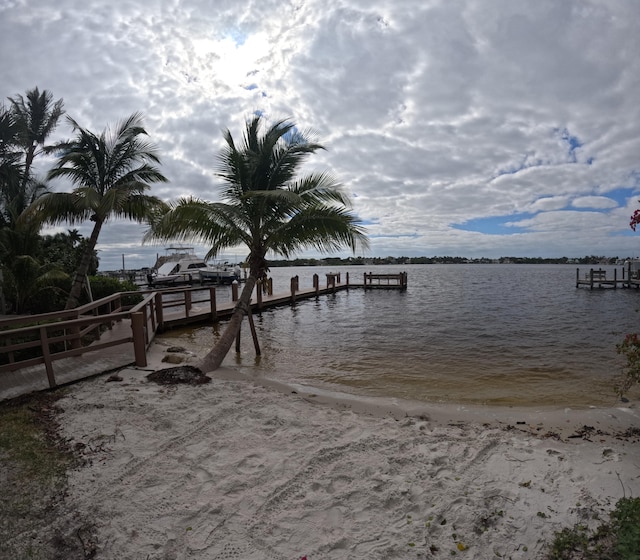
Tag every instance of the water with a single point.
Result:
(492, 334)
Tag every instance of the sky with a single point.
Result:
(477, 128)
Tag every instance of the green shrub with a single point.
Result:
(103, 286)
(630, 349)
(52, 296)
(619, 539)
(626, 525)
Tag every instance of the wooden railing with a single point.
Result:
(385, 280)
(44, 338)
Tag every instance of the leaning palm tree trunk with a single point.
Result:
(217, 354)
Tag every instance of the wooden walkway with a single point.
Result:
(122, 334)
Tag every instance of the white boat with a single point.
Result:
(220, 274)
(183, 266)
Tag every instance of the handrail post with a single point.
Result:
(46, 354)
(187, 302)
(159, 310)
(145, 323)
(139, 346)
(214, 307)
(75, 331)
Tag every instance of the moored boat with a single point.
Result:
(182, 266)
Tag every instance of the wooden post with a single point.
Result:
(187, 302)
(591, 279)
(260, 284)
(293, 289)
(270, 286)
(234, 290)
(316, 283)
(238, 339)
(75, 331)
(615, 278)
(347, 279)
(254, 335)
(152, 314)
(46, 354)
(214, 306)
(159, 310)
(139, 347)
(146, 330)
(577, 277)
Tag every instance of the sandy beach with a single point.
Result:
(239, 469)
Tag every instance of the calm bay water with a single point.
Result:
(494, 334)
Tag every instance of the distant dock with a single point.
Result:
(599, 278)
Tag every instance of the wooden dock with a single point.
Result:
(45, 351)
(604, 279)
(200, 310)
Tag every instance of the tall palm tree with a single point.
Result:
(24, 128)
(10, 166)
(112, 173)
(264, 207)
(35, 117)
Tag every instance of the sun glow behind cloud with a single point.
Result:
(234, 60)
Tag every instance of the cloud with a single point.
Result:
(594, 202)
(514, 117)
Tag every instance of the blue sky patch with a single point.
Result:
(622, 194)
(494, 225)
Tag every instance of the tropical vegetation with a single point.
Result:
(112, 173)
(25, 127)
(265, 206)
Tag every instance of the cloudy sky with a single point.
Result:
(460, 127)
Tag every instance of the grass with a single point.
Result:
(617, 539)
(33, 465)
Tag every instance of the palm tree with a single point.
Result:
(10, 167)
(112, 173)
(35, 119)
(265, 208)
(24, 127)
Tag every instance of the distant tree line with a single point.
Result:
(336, 261)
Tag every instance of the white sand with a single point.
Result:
(233, 470)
